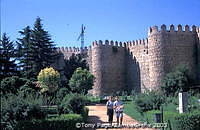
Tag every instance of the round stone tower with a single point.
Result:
(96, 67)
(168, 49)
(108, 67)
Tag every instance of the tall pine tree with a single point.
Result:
(36, 50)
(42, 46)
(7, 58)
(25, 53)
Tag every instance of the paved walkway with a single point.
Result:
(97, 116)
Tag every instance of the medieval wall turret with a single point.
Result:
(168, 49)
(141, 64)
(108, 67)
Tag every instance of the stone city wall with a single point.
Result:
(141, 64)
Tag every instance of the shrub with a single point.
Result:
(81, 81)
(143, 103)
(49, 79)
(149, 101)
(93, 99)
(62, 122)
(15, 108)
(193, 103)
(12, 84)
(185, 121)
(176, 81)
(51, 110)
(27, 90)
(188, 121)
(61, 93)
(73, 103)
(124, 95)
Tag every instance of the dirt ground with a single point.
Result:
(98, 119)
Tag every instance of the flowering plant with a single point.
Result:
(48, 79)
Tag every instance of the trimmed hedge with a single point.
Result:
(62, 122)
(149, 101)
(188, 121)
(72, 103)
(176, 121)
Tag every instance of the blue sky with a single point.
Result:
(120, 20)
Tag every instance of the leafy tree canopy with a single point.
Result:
(176, 81)
(81, 81)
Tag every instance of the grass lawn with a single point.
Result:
(131, 110)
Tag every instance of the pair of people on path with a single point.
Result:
(117, 107)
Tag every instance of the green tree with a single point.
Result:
(74, 62)
(25, 52)
(7, 58)
(12, 84)
(36, 49)
(176, 81)
(81, 81)
(43, 47)
(49, 79)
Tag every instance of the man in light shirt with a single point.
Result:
(118, 107)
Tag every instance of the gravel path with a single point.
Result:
(98, 117)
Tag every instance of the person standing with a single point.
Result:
(118, 107)
(110, 110)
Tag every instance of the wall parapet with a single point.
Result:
(172, 28)
(72, 49)
(108, 43)
(137, 42)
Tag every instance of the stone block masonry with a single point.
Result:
(141, 64)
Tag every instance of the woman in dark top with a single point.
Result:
(110, 111)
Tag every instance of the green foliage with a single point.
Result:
(93, 99)
(62, 122)
(176, 121)
(18, 107)
(7, 57)
(74, 62)
(189, 121)
(124, 95)
(12, 84)
(61, 93)
(35, 50)
(193, 103)
(50, 110)
(130, 109)
(81, 81)
(149, 101)
(176, 81)
(24, 53)
(29, 88)
(49, 79)
(73, 103)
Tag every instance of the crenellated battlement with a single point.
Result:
(172, 28)
(139, 64)
(73, 49)
(143, 42)
(109, 43)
